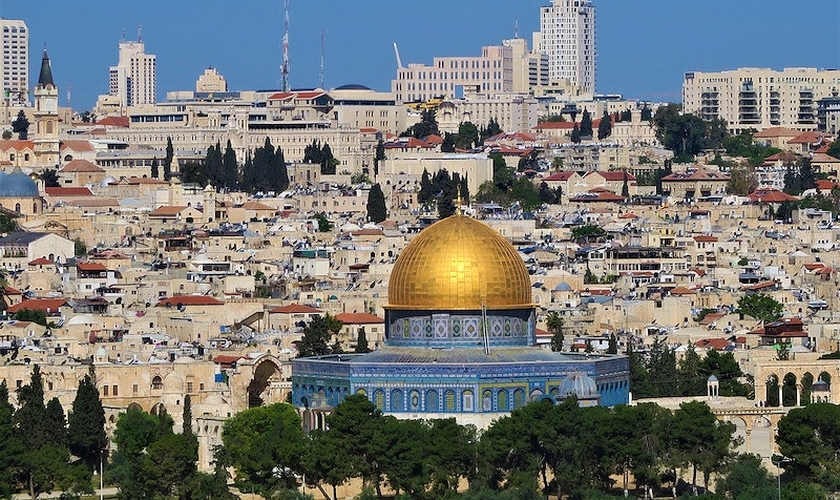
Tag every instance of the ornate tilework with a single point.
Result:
(472, 328)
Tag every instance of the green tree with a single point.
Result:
(548, 195)
(378, 157)
(50, 177)
(427, 125)
(317, 334)
(576, 136)
(11, 447)
(554, 323)
(86, 424)
(79, 247)
(43, 463)
(468, 136)
(155, 172)
(376, 209)
(229, 178)
(265, 446)
(167, 160)
(760, 306)
(587, 233)
(586, 125)
(746, 478)
(701, 439)
(324, 463)
(134, 432)
(324, 224)
(809, 437)
(20, 126)
(362, 342)
(353, 426)
(605, 126)
(683, 133)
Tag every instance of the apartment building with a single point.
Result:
(133, 80)
(759, 98)
(15, 61)
(567, 37)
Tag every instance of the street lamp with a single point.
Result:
(778, 460)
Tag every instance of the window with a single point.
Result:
(432, 402)
(449, 401)
(397, 403)
(116, 391)
(104, 390)
(157, 382)
(134, 389)
(467, 400)
(189, 387)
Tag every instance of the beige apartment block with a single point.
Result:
(509, 67)
(759, 98)
(512, 111)
(478, 168)
(567, 37)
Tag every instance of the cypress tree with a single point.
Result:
(187, 418)
(604, 127)
(376, 209)
(155, 169)
(362, 342)
(586, 125)
(230, 167)
(86, 424)
(167, 161)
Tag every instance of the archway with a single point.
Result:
(807, 381)
(259, 389)
(772, 391)
(789, 390)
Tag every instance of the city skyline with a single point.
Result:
(186, 41)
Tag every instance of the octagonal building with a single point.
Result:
(459, 339)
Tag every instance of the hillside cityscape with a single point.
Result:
(493, 280)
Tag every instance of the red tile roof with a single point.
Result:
(51, 305)
(555, 126)
(17, 145)
(359, 318)
(559, 176)
(167, 210)
(41, 261)
(115, 121)
(190, 300)
(716, 344)
(90, 266)
(295, 309)
(770, 195)
(613, 175)
(68, 191)
(81, 166)
(705, 238)
(76, 145)
(774, 132)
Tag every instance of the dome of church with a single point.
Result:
(17, 184)
(579, 384)
(459, 263)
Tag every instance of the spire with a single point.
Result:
(45, 77)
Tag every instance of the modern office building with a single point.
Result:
(759, 98)
(567, 37)
(15, 61)
(133, 79)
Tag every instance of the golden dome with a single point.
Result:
(459, 263)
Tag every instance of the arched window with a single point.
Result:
(17, 207)
(157, 382)
(432, 401)
(467, 401)
(504, 404)
(397, 403)
(449, 401)
(518, 398)
(379, 399)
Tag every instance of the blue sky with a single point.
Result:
(644, 46)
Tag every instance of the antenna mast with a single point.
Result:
(284, 71)
(322, 57)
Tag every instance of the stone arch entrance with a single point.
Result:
(268, 384)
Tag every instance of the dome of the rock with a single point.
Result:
(459, 263)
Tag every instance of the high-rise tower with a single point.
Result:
(134, 78)
(567, 37)
(14, 64)
(46, 117)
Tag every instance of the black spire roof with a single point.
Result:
(45, 78)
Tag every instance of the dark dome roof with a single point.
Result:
(353, 86)
(17, 184)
